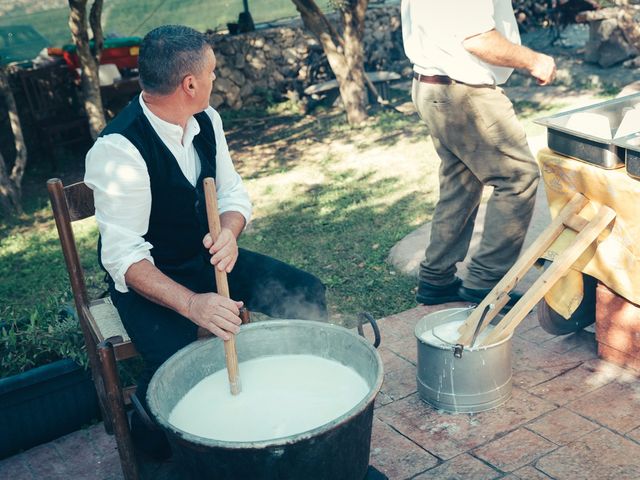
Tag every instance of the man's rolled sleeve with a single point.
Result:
(118, 176)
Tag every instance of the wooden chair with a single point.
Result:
(54, 108)
(106, 339)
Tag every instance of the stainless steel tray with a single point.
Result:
(597, 150)
(631, 146)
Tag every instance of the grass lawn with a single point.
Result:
(328, 198)
(125, 18)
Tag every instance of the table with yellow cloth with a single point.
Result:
(614, 258)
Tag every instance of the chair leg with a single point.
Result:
(107, 418)
(116, 406)
(98, 381)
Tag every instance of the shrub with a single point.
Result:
(38, 334)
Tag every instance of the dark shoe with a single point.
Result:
(429, 294)
(477, 295)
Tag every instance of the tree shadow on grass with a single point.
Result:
(342, 232)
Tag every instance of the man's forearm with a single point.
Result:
(492, 47)
(233, 221)
(147, 280)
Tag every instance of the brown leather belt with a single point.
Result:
(436, 79)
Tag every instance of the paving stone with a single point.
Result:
(399, 375)
(562, 426)
(600, 455)
(514, 450)
(571, 384)
(585, 351)
(615, 405)
(108, 465)
(100, 440)
(15, 468)
(45, 462)
(567, 343)
(406, 348)
(81, 460)
(382, 399)
(395, 455)
(401, 325)
(533, 364)
(536, 335)
(446, 435)
(462, 467)
(528, 473)
(634, 435)
(529, 322)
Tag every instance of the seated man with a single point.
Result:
(146, 171)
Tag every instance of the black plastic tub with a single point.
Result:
(44, 403)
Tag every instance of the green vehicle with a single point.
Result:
(20, 43)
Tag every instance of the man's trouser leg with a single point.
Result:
(480, 142)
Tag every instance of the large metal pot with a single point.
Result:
(336, 450)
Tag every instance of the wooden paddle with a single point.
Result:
(222, 285)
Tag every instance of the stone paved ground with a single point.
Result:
(571, 416)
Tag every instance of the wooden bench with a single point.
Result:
(381, 79)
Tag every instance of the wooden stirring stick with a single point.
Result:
(213, 218)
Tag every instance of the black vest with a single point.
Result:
(178, 219)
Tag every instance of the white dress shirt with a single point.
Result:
(433, 32)
(118, 176)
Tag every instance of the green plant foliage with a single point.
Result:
(37, 318)
(39, 334)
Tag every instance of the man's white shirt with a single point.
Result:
(118, 176)
(433, 32)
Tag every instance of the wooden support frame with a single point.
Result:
(568, 217)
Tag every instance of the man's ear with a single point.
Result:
(188, 85)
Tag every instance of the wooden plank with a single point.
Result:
(576, 223)
(522, 266)
(558, 269)
(501, 301)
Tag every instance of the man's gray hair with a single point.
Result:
(168, 54)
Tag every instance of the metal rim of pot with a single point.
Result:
(281, 441)
(419, 329)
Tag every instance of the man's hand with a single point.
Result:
(224, 251)
(217, 314)
(543, 69)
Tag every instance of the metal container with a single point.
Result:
(597, 150)
(631, 146)
(479, 380)
(336, 450)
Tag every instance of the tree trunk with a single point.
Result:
(88, 63)
(11, 185)
(345, 53)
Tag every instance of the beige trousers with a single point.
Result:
(480, 142)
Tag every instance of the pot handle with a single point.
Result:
(367, 317)
(142, 413)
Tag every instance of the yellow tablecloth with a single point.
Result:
(614, 258)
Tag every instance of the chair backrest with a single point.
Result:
(50, 92)
(71, 203)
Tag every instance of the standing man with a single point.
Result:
(146, 171)
(461, 51)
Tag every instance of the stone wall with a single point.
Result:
(279, 62)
